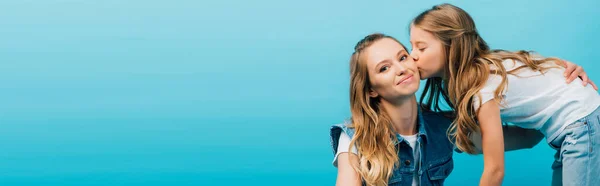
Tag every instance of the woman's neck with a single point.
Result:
(403, 114)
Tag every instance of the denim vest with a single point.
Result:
(435, 151)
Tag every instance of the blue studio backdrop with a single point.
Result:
(230, 92)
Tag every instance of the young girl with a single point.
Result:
(486, 87)
(393, 141)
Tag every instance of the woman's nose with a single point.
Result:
(400, 69)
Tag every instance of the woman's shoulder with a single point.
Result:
(437, 121)
(345, 127)
(337, 130)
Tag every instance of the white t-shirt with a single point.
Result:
(344, 144)
(544, 102)
(412, 141)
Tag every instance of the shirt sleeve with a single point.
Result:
(487, 92)
(343, 146)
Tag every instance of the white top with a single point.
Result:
(412, 141)
(344, 144)
(544, 102)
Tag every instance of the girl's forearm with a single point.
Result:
(492, 176)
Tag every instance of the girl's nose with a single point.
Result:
(414, 55)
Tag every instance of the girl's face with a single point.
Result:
(392, 72)
(428, 53)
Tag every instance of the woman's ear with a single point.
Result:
(372, 93)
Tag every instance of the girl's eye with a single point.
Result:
(384, 68)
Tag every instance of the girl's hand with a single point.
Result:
(573, 71)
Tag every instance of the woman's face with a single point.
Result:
(428, 53)
(392, 72)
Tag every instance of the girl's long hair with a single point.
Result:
(469, 64)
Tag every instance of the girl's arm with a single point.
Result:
(493, 143)
(346, 174)
(515, 138)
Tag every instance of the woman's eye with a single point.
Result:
(384, 68)
(403, 57)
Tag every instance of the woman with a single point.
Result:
(394, 141)
(486, 87)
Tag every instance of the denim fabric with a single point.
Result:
(436, 161)
(577, 161)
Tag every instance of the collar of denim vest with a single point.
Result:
(422, 133)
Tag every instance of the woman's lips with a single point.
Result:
(406, 79)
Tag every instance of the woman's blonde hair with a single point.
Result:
(374, 134)
(468, 61)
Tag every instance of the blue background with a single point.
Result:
(223, 92)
